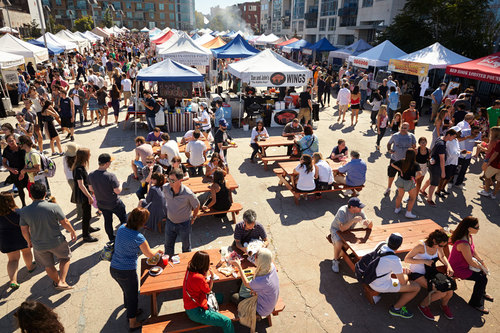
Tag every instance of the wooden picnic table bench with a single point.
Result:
(235, 209)
(285, 172)
(134, 114)
(359, 242)
(202, 184)
(274, 141)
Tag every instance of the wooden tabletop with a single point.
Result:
(289, 166)
(276, 141)
(363, 241)
(172, 278)
(182, 148)
(202, 184)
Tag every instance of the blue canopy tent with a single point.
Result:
(53, 49)
(296, 46)
(166, 71)
(323, 45)
(195, 36)
(237, 48)
(354, 49)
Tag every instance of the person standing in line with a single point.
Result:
(305, 101)
(40, 224)
(343, 100)
(437, 98)
(363, 89)
(105, 187)
(67, 113)
(410, 116)
(382, 121)
(222, 139)
(126, 89)
(78, 96)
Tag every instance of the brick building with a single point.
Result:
(250, 13)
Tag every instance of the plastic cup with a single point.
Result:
(165, 259)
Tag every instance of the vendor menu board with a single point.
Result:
(175, 90)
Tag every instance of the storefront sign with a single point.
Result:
(174, 90)
(10, 76)
(408, 67)
(189, 59)
(360, 62)
(278, 79)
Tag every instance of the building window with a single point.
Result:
(151, 15)
(299, 9)
(367, 3)
(171, 7)
(348, 13)
(138, 6)
(329, 7)
(162, 16)
(149, 7)
(46, 2)
(332, 23)
(301, 25)
(129, 14)
(322, 25)
(161, 6)
(84, 13)
(128, 5)
(58, 2)
(171, 15)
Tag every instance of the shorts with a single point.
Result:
(335, 236)
(354, 106)
(450, 170)
(391, 172)
(304, 113)
(127, 94)
(423, 168)
(392, 287)
(414, 276)
(407, 185)
(66, 122)
(46, 257)
(492, 172)
(102, 106)
(435, 172)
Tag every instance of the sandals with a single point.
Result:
(482, 309)
(33, 269)
(14, 286)
(488, 298)
(61, 288)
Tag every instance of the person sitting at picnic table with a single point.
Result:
(351, 174)
(339, 152)
(265, 284)
(409, 172)
(220, 195)
(304, 175)
(467, 263)
(422, 255)
(194, 294)
(189, 135)
(308, 144)
(169, 150)
(290, 130)
(129, 243)
(154, 137)
(222, 139)
(247, 230)
(259, 133)
(325, 174)
(176, 163)
(216, 163)
(146, 173)
(384, 283)
(142, 151)
(155, 202)
(347, 217)
(196, 152)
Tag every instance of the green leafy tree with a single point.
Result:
(108, 18)
(33, 29)
(83, 24)
(54, 27)
(467, 27)
(217, 23)
(199, 18)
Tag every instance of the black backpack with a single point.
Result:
(366, 268)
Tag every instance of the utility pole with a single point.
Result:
(42, 22)
(6, 6)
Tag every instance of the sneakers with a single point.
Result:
(387, 191)
(461, 186)
(419, 199)
(447, 312)
(484, 193)
(426, 311)
(431, 203)
(448, 187)
(335, 266)
(397, 210)
(405, 200)
(348, 192)
(410, 215)
(403, 313)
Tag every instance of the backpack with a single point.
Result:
(438, 280)
(47, 165)
(366, 268)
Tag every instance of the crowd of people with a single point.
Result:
(109, 70)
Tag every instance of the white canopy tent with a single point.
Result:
(204, 39)
(186, 52)
(435, 55)
(263, 40)
(8, 30)
(93, 35)
(377, 56)
(269, 69)
(92, 40)
(30, 52)
(69, 36)
(160, 34)
(100, 32)
(144, 29)
(62, 43)
(116, 30)
(8, 60)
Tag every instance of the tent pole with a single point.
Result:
(239, 112)
(136, 104)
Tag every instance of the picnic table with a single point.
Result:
(182, 147)
(172, 278)
(358, 242)
(275, 141)
(202, 184)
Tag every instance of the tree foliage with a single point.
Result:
(53, 26)
(83, 24)
(199, 20)
(108, 18)
(33, 29)
(217, 23)
(467, 27)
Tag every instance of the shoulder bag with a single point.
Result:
(212, 303)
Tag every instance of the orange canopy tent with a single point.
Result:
(214, 43)
(163, 38)
(290, 41)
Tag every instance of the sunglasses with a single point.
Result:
(149, 162)
(171, 181)
(476, 227)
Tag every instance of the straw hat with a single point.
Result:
(71, 149)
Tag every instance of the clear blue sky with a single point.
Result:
(205, 5)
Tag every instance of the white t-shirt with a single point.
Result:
(171, 149)
(344, 96)
(67, 171)
(205, 117)
(255, 134)
(92, 79)
(126, 85)
(306, 180)
(452, 152)
(189, 136)
(100, 81)
(325, 173)
(388, 265)
(104, 60)
(196, 149)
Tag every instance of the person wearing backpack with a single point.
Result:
(389, 263)
(347, 217)
(32, 164)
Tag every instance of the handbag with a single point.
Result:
(437, 280)
(212, 303)
(297, 152)
(107, 251)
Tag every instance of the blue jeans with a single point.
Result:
(172, 230)
(142, 191)
(363, 98)
(127, 280)
(79, 110)
(151, 123)
(118, 210)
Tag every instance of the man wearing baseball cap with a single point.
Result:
(106, 187)
(391, 264)
(346, 218)
(222, 139)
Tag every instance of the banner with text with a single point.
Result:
(189, 59)
(277, 79)
(360, 62)
(408, 67)
(172, 90)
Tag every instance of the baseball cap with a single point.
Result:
(355, 202)
(395, 240)
(223, 122)
(204, 105)
(105, 158)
